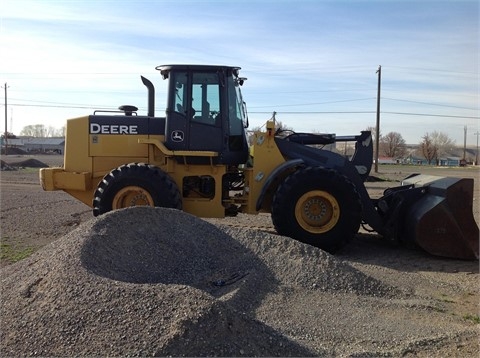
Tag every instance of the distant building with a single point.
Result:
(412, 159)
(450, 161)
(32, 144)
(387, 160)
(444, 161)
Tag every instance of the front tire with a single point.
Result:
(317, 206)
(136, 184)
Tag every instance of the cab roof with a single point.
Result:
(165, 69)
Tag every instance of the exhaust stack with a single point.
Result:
(151, 96)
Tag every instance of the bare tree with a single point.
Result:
(34, 130)
(442, 142)
(280, 127)
(9, 135)
(428, 148)
(51, 131)
(41, 131)
(393, 145)
(436, 144)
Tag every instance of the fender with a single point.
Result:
(273, 175)
(331, 160)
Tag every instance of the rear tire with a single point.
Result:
(319, 207)
(136, 184)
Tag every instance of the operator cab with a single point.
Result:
(205, 111)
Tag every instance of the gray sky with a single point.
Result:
(313, 62)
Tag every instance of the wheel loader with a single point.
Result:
(198, 158)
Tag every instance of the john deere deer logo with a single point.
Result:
(177, 136)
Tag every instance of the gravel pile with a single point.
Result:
(153, 281)
(29, 163)
(5, 166)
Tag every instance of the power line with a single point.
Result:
(73, 105)
(266, 112)
(62, 106)
(313, 112)
(45, 102)
(429, 103)
(261, 69)
(34, 74)
(314, 103)
(432, 70)
(431, 115)
(369, 112)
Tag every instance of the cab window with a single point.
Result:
(180, 100)
(206, 98)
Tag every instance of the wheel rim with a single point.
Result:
(317, 211)
(132, 196)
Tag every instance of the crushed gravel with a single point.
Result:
(152, 281)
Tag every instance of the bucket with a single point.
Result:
(441, 221)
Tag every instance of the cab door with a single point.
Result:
(206, 122)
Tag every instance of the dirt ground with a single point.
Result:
(31, 218)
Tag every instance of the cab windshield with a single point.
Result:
(237, 107)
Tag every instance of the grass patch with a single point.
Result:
(472, 317)
(13, 254)
(446, 299)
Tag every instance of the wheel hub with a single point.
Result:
(317, 211)
(132, 196)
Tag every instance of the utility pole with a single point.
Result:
(465, 144)
(477, 133)
(5, 140)
(377, 127)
